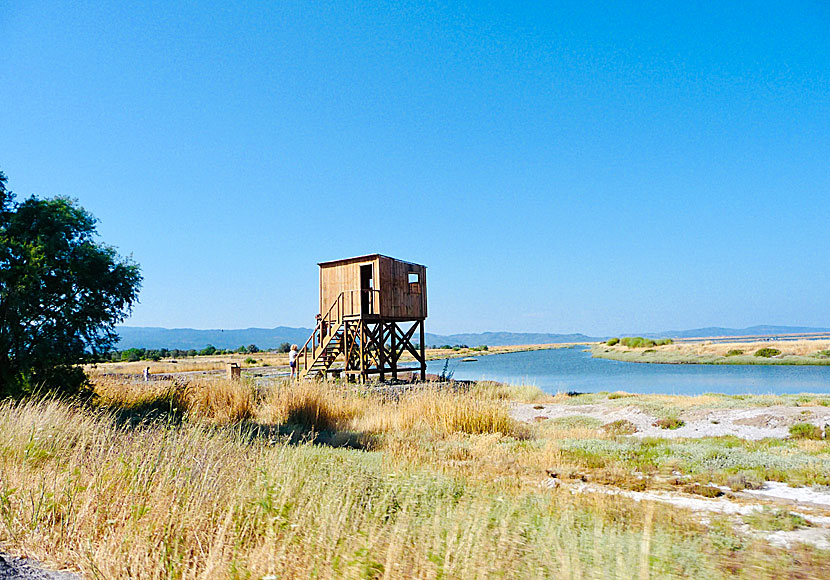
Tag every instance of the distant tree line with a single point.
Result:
(155, 354)
(458, 347)
(638, 341)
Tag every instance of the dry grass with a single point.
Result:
(207, 480)
(215, 400)
(83, 490)
(691, 350)
(188, 364)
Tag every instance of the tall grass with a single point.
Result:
(160, 500)
(206, 481)
(214, 400)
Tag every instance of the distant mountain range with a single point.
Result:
(717, 331)
(265, 338)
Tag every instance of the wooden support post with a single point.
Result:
(393, 334)
(381, 351)
(362, 351)
(423, 353)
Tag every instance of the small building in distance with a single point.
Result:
(371, 308)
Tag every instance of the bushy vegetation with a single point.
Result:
(640, 342)
(620, 427)
(670, 423)
(612, 341)
(734, 352)
(767, 352)
(775, 520)
(805, 431)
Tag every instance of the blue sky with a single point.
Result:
(559, 167)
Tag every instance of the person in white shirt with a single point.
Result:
(292, 360)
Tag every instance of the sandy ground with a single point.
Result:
(753, 423)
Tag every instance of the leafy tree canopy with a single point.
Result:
(61, 293)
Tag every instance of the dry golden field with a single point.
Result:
(793, 352)
(209, 478)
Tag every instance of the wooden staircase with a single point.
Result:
(325, 343)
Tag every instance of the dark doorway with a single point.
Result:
(366, 289)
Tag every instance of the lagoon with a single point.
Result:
(573, 369)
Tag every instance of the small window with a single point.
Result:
(414, 283)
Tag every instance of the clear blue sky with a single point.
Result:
(569, 167)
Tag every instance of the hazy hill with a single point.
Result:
(504, 338)
(715, 331)
(187, 338)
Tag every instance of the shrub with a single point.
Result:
(823, 353)
(805, 431)
(663, 341)
(620, 427)
(284, 347)
(250, 360)
(670, 423)
(744, 480)
(636, 342)
(612, 341)
(775, 520)
(767, 352)
(734, 352)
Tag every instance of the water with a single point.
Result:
(573, 369)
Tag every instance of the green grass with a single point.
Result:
(805, 431)
(775, 520)
(713, 458)
(767, 352)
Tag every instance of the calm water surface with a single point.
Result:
(573, 369)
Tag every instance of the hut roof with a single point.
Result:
(365, 258)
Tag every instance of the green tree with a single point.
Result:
(61, 293)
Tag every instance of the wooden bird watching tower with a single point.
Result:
(371, 307)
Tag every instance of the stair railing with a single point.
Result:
(347, 303)
(331, 322)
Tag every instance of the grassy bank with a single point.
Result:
(225, 480)
(796, 352)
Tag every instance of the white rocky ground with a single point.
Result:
(752, 423)
(813, 504)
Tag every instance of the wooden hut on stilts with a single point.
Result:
(372, 311)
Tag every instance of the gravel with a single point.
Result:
(12, 568)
